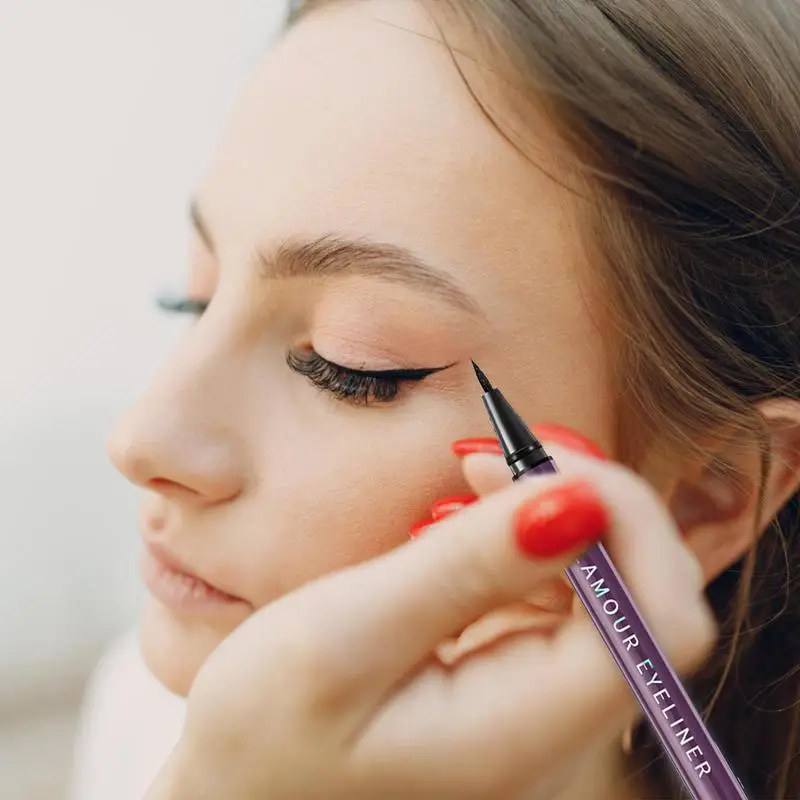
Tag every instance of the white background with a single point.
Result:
(109, 111)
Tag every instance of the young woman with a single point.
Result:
(598, 202)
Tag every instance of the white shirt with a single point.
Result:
(129, 726)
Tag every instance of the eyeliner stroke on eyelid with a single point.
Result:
(357, 386)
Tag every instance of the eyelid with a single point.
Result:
(396, 374)
(360, 387)
(310, 355)
(186, 305)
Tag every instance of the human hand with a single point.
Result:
(336, 691)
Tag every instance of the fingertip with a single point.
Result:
(569, 438)
(563, 519)
(466, 447)
(450, 505)
(418, 528)
(485, 473)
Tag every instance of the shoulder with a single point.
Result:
(129, 725)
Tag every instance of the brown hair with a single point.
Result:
(686, 113)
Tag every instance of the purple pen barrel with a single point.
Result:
(662, 696)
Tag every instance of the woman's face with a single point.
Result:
(361, 211)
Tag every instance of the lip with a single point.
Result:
(175, 585)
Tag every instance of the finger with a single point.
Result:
(445, 506)
(486, 473)
(571, 681)
(372, 624)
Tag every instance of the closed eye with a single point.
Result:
(182, 305)
(360, 387)
(356, 386)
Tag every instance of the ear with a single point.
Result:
(716, 505)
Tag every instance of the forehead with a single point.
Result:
(360, 123)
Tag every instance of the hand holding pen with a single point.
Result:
(336, 691)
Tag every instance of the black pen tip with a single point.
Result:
(482, 379)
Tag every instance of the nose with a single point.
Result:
(181, 444)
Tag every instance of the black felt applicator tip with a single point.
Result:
(523, 451)
(482, 379)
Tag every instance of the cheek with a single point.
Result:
(352, 500)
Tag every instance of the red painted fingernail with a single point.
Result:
(448, 505)
(560, 520)
(419, 527)
(466, 447)
(566, 437)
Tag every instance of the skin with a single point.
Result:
(403, 157)
(358, 125)
(355, 707)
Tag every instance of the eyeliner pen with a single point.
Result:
(663, 698)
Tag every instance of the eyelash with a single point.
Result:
(182, 305)
(359, 387)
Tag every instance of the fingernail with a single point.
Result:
(419, 527)
(560, 520)
(572, 440)
(448, 505)
(466, 447)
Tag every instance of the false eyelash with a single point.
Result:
(360, 387)
(182, 305)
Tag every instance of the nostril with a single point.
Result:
(188, 462)
(165, 486)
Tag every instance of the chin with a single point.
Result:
(174, 648)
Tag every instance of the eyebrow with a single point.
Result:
(333, 255)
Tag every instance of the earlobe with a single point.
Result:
(722, 507)
(710, 497)
(715, 512)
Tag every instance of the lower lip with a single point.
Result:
(186, 593)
